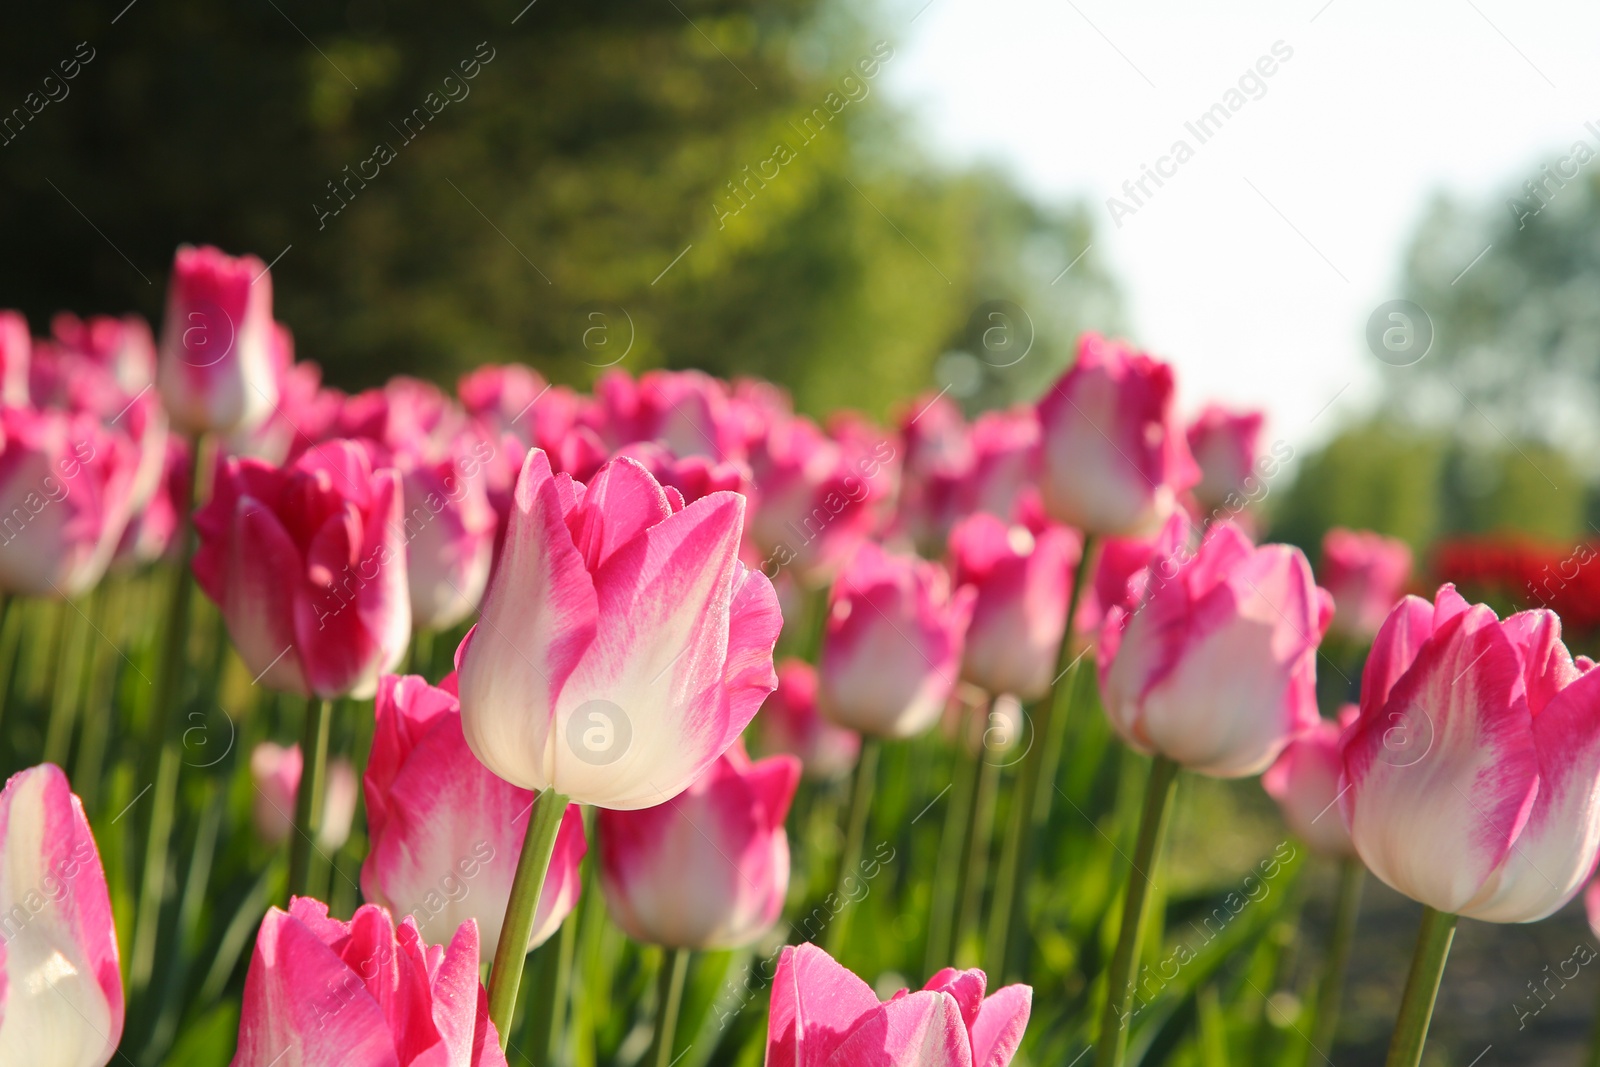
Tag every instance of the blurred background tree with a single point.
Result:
(571, 202)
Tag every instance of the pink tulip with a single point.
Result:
(1367, 574)
(693, 476)
(1216, 669)
(937, 471)
(16, 346)
(216, 370)
(790, 724)
(817, 497)
(708, 869)
(824, 1016)
(689, 412)
(623, 646)
(304, 414)
(276, 772)
(66, 494)
(1472, 777)
(326, 993)
(1305, 783)
(1005, 460)
(307, 565)
(60, 983)
(891, 648)
(1114, 458)
(1225, 444)
(122, 346)
(446, 832)
(152, 531)
(1022, 584)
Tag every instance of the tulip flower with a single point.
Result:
(60, 982)
(1225, 444)
(623, 646)
(790, 724)
(1366, 573)
(1022, 585)
(708, 869)
(1114, 460)
(152, 531)
(689, 412)
(16, 347)
(1005, 460)
(891, 648)
(1472, 777)
(1305, 783)
(446, 832)
(66, 489)
(936, 473)
(823, 1014)
(304, 414)
(216, 367)
(276, 772)
(1216, 670)
(307, 565)
(321, 991)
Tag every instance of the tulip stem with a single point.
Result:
(855, 836)
(674, 969)
(527, 885)
(1593, 1059)
(1113, 1044)
(1422, 987)
(309, 796)
(1346, 908)
(1035, 788)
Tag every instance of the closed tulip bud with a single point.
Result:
(891, 648)
(1005, 464)
(1225, 444)
(1114, 460)
(216, 369)
(16, 346)
(708, 869)
(276, 772)
(1472, 776)
(60, 983)
(1367, 574)
(1022, 584)
(791, 724)
(445, 831)
(321, 991)
(823, 1014)
(66, 490)
(307, 564)
(623, 646)
(1305, 783)
(1216, 668)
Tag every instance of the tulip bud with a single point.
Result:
(623, 646)
(1366, 573)
(276, 771)
(1225, 445)
(1305, 783)
(1022, 584)
(1005, 463)
(708, 869)
(365, 991)
(60, 983)
(822, 1013)
(446, 833)
(1216, 669)
(1472, 776)
(790, 724)
(16, 346)
(891, 648)
(1114, 460)
(216, 367)
(307, 565)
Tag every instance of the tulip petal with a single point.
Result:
(620, 503)
(816, 1003)
(923, 1029)
(1547, 665)
(1555, 853)
(966, 986)
(1440, 780)
(259, 604)
(1395, 648)
(1001, 1021)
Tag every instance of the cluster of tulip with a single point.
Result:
(627, 561)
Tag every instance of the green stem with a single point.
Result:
(1593, 1059)
(1113, 1044)
(950, 874)
(308, 798)
(1422, 987)
(1346, 908)
(71, 649)
(100, 703)
(674, 969)
(855, 836)
(566, 949)
(980, 834)
(526, 886)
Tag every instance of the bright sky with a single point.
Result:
(1255, 267)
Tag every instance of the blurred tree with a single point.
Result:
(714, 183)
